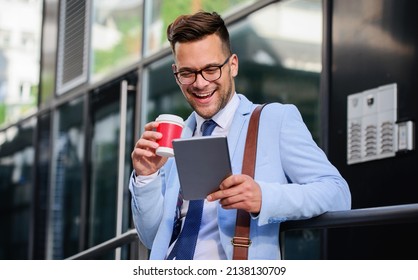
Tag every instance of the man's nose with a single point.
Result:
(200, 81)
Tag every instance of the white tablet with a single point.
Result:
(202, 164)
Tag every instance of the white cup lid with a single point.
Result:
(170, 118)
(164, 152)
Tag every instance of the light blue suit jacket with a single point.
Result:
(296, 179)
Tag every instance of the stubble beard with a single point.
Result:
(220, 104)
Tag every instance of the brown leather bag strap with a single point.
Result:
(241, 241)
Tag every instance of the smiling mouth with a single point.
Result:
(203, 95)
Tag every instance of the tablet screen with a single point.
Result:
(202, 164)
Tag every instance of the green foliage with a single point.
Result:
(2, 113)
(173, 8)
(128, 45)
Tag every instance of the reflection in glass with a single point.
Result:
(20, 32)
(163, 12)
(103, 211)
(282, 63)
(16, 187)
(129, 144)
(116, 35)
(163, 97)
(66, 181)
(40, 196)
(104, 166)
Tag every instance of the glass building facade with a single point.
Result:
(104, 71)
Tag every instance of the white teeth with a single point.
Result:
(203, 95)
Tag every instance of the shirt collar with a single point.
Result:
(224, 117)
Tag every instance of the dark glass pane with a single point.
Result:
(104, 164)
(129, 144)
(16, 185)
(67, 180)
(41, 197)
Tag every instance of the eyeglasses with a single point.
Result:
(210, 74)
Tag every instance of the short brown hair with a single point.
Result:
(190, 28)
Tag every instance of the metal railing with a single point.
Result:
(407, 213)
(116, 242)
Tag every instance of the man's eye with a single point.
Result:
(211, 70)
(186, 74)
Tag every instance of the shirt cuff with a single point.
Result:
(141, 181)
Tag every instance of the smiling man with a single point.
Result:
(293, 177)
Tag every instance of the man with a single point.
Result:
(293, 178)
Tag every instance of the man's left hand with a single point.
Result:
(238, 192)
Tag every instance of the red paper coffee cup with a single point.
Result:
(170, 127)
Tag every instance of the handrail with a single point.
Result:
(125, 238)
(406, 213)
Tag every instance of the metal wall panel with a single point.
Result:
(374, 43)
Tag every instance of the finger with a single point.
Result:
(215, 195)
(151, 135)
(151, 126)
(146, 143)
(238, 203)
(228, 187)
(246, 197)
(138, 153)
(230, 201)
(232, 181)
(228, 192)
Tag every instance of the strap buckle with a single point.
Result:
(241, 241)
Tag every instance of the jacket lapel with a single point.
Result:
(237, 127)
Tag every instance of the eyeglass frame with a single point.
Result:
(195, 72)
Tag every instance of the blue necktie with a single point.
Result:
(186, 243)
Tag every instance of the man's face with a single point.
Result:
(205, 97)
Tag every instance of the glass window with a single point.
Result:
(104, 165)
(42, 179)
(162, 12)
(19, 59)
(103, 205)
(164, 97)
(129, 144)
(16, 187)
(116, 35)
(282, 63)
(66, 181)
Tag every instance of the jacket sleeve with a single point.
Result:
(296, 178)
(147, 208)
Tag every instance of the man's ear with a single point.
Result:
(234, 65)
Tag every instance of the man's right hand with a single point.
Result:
(144, 159)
